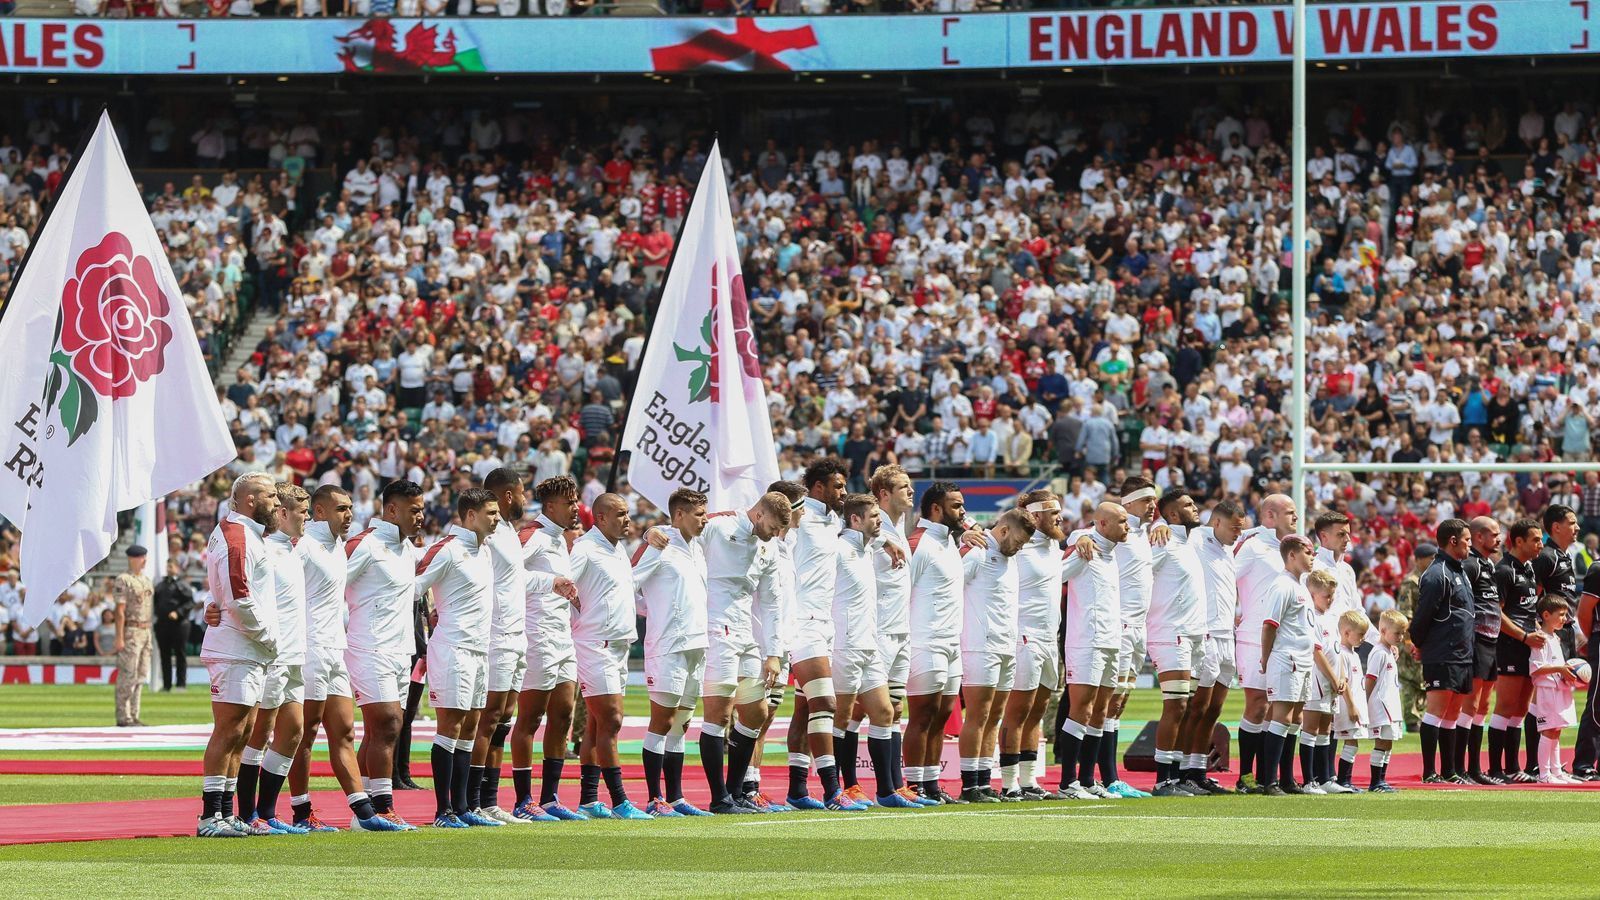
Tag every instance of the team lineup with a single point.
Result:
(884, 612)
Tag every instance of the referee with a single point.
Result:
(1442, 629)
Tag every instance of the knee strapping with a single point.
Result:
(1180, 690)
(749, 690)
(820, 723)
(819, 689)
(501, 732)
(719, 690)
(680, 720)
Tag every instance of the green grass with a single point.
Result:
(16, 790)
(1437, 843)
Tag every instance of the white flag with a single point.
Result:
(106, 402)
(698, 418)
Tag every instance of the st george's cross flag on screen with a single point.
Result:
(698, 418)
(106, 402)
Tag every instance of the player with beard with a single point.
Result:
(508, 642)
(1038, 655)
(988, 649)
(238, 651)
(1177, 626)
(1134, 573)
(1517, 584)
(741, 571)
(1557, 575)
(460, 567)
(327, 681)
(548, 690)
(1214, 544)
(602, 632)
(934, 682)
(1480, 567)
(380, 586)
(1258, 564)
(1093, 640)
(280, 715)
(816, 564)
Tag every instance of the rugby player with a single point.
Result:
(602, 632)
(460, 565)
(279, 716)
(1094, 638)
(1288, 653)
(669, 573)
(1486, 636)
(548, 691)
(988, 649)
(1517, 585)
(1176, 628)
(891, 488)
(1133, 572)
(1038, 656)
(741, 569)
(816, 563)
(777, 630)
(1216, 670)
(1587, 745)
(327, 682)
(1556, 575)
(858, 668)
(380, 585)
(239, 650)
(935, 670)
(1258, 563)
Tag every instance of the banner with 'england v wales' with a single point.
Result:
(698, 418)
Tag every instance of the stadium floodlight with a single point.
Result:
(1299, 274)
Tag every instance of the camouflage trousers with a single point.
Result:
(1413, 698)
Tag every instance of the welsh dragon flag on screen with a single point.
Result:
(106, 402)
(698, 417)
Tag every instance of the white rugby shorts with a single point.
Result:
(935, 670)
(325, 674)
(377, 677)
(602, 667)
(548, 665)
(1176, 654)
(894, 654)
(858, 671)
(1038, 666)
(675, 676)
(458, 678)
(1093, 666)
(1287, 681)
(728, 662)
(1216, 661)
(236, 681)
(285, 684)
(1247, 658)
(506, 668)
(812, 639)
(983, 668)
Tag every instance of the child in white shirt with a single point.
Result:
(1552, 691)
(1383, 695)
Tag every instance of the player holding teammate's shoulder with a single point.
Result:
(988, 650)
(1038, 654)
(1177, 626)
(1094, 638)
(935, 671)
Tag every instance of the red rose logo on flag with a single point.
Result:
(111, 333)
(744, 339)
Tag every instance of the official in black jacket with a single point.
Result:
(1442, 630)
(174, 601)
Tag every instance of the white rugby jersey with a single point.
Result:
(462, 570)
(604, 576)
(1094, 611)
(322, 565)
(936, 586)
(380, 585)
(547, 616)
(671, 585)
(1348, 595)
(289, 587)
(1134, 575)
(1383, 686)
(239, 575)
(1289, 608)
(1326, 626)
(774, 618)
(508, 623)
(1222, 588)
(816, 560)
(1258, 564)
(989, 613)
(1350, 713)
(1039, 582)
(734, 563)
(1178, 588)
(894, 582)
(855, 595)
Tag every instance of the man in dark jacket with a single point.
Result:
(174, 601)
(1442, 631)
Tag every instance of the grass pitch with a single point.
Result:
(1439, 843)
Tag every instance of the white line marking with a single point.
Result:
(931, 814)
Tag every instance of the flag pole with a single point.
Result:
(44, 218)
(661, 289)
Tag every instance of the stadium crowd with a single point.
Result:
(1012, 293)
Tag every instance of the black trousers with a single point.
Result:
(1587, 747)
(172, 642)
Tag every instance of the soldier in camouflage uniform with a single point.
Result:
(134, 596)
(1412, 697)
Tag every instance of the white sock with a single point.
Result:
(1025, 772)
(297, 799)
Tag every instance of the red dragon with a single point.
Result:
(423, 51)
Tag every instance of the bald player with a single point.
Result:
(1038, 669)
(1094, 638)
(1258, 564)
(988, 649)
(1480, 565)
